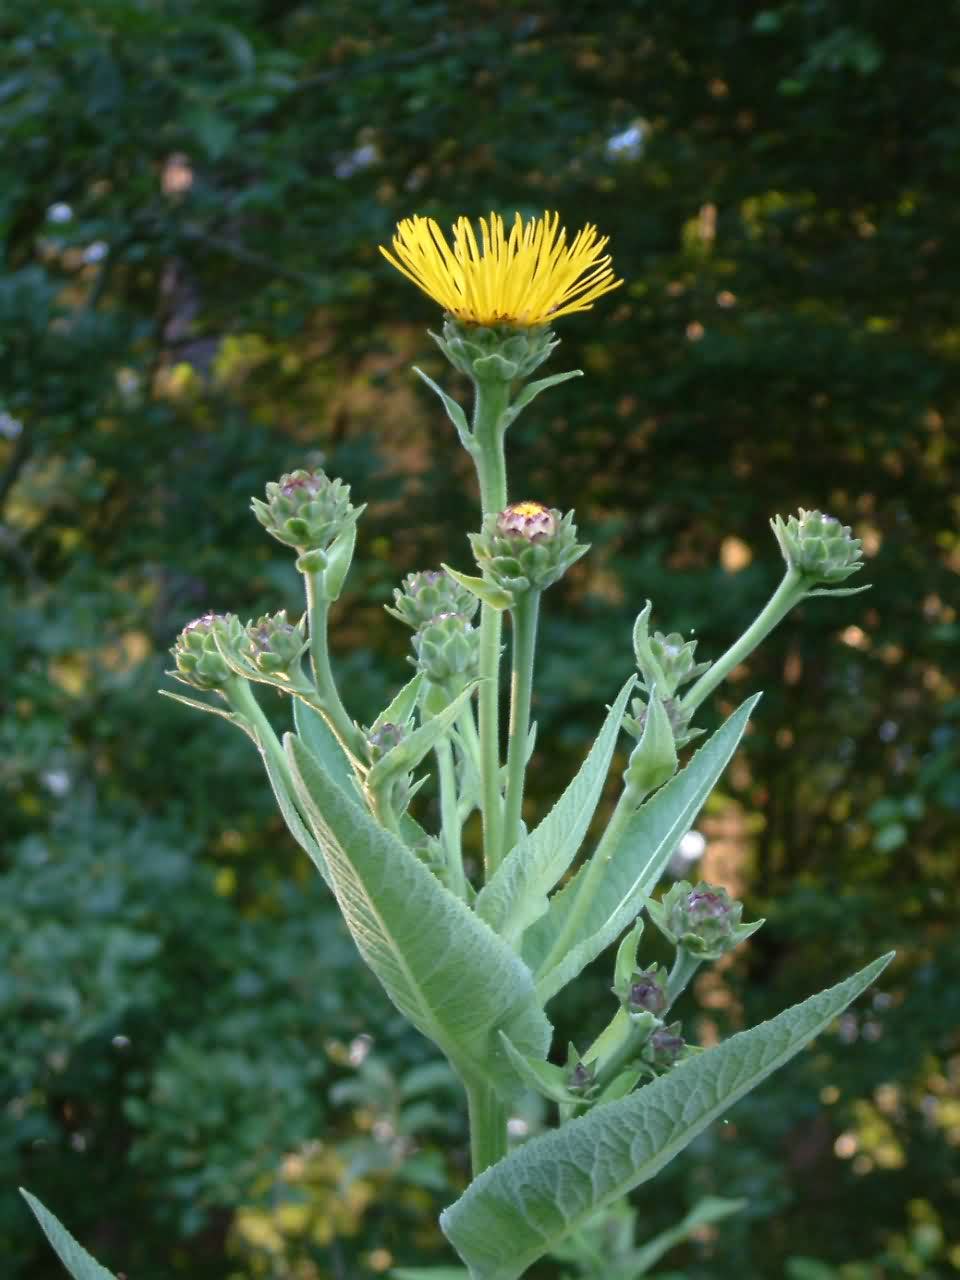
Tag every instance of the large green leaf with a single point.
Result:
(73, 1256)
(291, 815)
(443, 968)
(323, 742)
(633, 868)
(521, 1207)
(517, 894)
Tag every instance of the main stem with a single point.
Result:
(524, 615)
(488, 1127)
(318, 610)
(492, 399)
(789, 593)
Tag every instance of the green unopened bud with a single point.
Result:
(274, 645)
(646, 992)
(425, 595)
(665, 1047)
(447, 648)
(498, 354)
(666, 661)
(653, 760)
(705, 920)
(679, 717)
(527, 546)
(818, 547)
(383, 737)
(306, 510)
(199, 661)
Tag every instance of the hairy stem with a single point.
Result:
(489, 407)
(488, 1127)
(789, 593)
(524, 615)
(331, 706)
(450, 818)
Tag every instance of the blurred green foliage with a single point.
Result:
(197, 1075)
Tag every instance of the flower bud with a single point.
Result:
(199, 661)
(275, 646)
(383, 737)
(653, 760)
(665, 1047)
(306, 510)
(526, 547)
(580, 1079)
(447, 647)
(818, 547)
(704, 920)
(679, 719)
(647, 992)
(499, 354)
(666, 661)
(425, 595)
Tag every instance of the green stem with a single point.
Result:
(789, 593)
(684, 967)
(449, 818)
(469, 738)
(491, 401)
(626, 807)
(488, 1127)
(243, 700)
(524, 616)
(335, 713)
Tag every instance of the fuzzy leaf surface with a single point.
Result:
(518, 1209)
(516, 895)
(323, 743)
(444, 969)
(73, 1256)
(635, 865)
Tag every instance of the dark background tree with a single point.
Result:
(196, 1073)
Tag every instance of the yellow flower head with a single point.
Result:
(525, 279)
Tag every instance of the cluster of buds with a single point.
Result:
(665, 664)
(275, 646)
(526, 547)
(703, 920)
(198, 655)
(818, 547)
(447, 649)
(423, 596)
(501, 354)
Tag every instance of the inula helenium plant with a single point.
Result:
(474, 954)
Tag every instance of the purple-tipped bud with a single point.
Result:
(581, 1078)
(665, 1047)
(704, 920)
(274, 645)
(526, 546)
(306, 510)
(199, 661)
(529, 520)
(383, 738)
(425, 595)
(647, 992)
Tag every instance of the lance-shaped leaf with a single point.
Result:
(634, 866)
(454, 411)
(521, 1207)
(409, 751)
(324, 744)
(442, 967)
(75, 1258)
(709, 1210)
(530, 392)
(516, 894)
(486, 592)
(291, 815)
